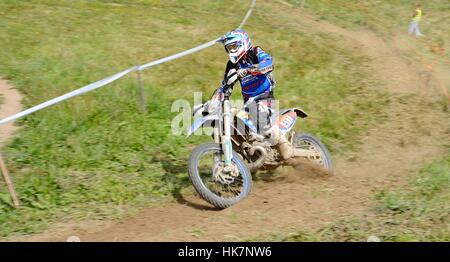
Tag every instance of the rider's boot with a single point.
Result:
(284, 147)
(281, 142)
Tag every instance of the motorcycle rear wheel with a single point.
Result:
(310, 142)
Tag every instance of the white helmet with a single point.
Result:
(236, 43)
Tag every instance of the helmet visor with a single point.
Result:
(233, 47)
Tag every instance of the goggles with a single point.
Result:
(233, 47)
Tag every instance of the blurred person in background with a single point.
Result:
(414, 25)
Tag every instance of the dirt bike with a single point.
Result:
(220, 171)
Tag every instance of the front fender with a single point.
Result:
(200, 122)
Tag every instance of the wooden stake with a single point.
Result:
(9, 183)
(303, 3)
(141, 92)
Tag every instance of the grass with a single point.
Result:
(97, 156)
(417, 213)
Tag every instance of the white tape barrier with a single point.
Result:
(115, 77)
(249, 13)
(104, 82)
(198, 48)
(175, 56)
(77, 92)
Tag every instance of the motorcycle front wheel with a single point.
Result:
(221, 189)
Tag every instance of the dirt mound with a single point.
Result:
(308, 168)
(11, 105)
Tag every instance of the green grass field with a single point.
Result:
(97, 156)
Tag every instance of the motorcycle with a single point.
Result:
(221, 171)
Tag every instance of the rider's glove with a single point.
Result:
(242, 72)
(225, 90)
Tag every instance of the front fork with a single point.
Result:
(222, 135)
(226, 139)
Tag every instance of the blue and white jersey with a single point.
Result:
(259, 78)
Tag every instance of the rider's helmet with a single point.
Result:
(236, 43)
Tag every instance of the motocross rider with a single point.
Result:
(254, 69)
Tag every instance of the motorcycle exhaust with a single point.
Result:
(255, 165)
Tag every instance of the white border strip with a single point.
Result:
(115, 77)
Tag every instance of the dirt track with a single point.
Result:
(411, 135)
(11, 105)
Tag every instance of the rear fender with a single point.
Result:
(300, 113)
(287, 119)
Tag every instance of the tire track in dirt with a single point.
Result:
(9, 106)
(411, 134)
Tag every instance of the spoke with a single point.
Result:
(317, 154)
(207, 167)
